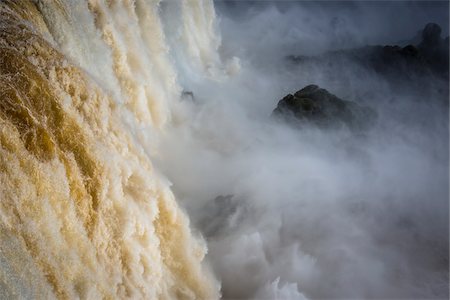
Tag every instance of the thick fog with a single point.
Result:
(291, 212)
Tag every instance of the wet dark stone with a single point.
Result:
(316, 106)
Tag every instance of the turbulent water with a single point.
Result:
(121, 118)
(85, 88)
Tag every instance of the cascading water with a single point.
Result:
(120, 117)
(86, 88)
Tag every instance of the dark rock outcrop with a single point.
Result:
(435, 49)
(187, 95)
(401, 67)
(316, 106)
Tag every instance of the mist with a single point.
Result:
(293, 213)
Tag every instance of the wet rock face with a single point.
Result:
(316, 106)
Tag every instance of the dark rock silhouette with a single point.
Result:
(187, 95)
(400, 66)
(434, 49)
(431, 35)
(317, 106)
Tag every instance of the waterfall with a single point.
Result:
(86, 89)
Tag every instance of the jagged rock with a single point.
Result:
(400, 66)
(315, 105)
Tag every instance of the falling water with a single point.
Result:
(86, 89)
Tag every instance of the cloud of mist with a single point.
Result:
(313, 213)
